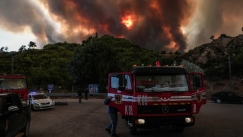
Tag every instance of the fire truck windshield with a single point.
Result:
(161, 83)
(6, 84)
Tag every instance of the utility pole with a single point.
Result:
(229, 73)
(12, 65)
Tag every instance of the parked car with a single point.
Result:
(15, 116)
(228, 96)
(40, 101)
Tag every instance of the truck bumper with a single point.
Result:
(162, 122)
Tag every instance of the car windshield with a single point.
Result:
(12, 84)
(161, 83)
(40, 96)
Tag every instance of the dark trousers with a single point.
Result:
(86, 95)
(113, 122)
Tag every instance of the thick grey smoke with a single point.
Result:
(215, 17)
(16, 15)
(156, 23)
(152, 17)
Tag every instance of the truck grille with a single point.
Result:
(164, 109)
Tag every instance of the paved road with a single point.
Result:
(89, 119)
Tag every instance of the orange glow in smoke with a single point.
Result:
(172, 45)
(127, 21)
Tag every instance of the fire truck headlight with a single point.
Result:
(189, 120)
(140, 121)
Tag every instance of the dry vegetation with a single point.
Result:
(223, 85)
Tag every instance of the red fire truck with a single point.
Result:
(157, 96)
(14, 83)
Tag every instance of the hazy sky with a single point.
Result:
(169, 25)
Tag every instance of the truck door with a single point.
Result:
(14, 114)
(197, 88)
(120, 88)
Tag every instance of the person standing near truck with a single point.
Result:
(79, 95)
(86, 93)
(112, 111)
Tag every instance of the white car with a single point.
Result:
(40, 101)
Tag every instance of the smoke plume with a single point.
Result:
(170, 25)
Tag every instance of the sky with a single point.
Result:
(170, 25)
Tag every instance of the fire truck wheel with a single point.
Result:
(218, 100)
(179, 129)
(133, 130)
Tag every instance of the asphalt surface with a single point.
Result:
(89, 119)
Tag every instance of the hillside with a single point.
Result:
(220, 59)
(217, 49)
(49, 65)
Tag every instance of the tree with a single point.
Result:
(212, 37)
(163, 52)
(177, 53)
(4, 49)
(223, 36)
(190, 67)
(32, 44)
(91, 63)
(22, 48)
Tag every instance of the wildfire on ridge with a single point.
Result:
(128, 21)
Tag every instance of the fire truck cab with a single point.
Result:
(157, 96)
(14, 83)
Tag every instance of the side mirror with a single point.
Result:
(13, 108)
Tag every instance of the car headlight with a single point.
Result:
(35, 103)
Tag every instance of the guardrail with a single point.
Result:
(74, 94)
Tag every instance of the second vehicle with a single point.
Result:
(228, 96)
(40, 101)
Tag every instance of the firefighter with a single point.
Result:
(79, 95)
(112, 111)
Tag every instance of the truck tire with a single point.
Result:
(133, 130)
(179, 129)
(26, 129)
